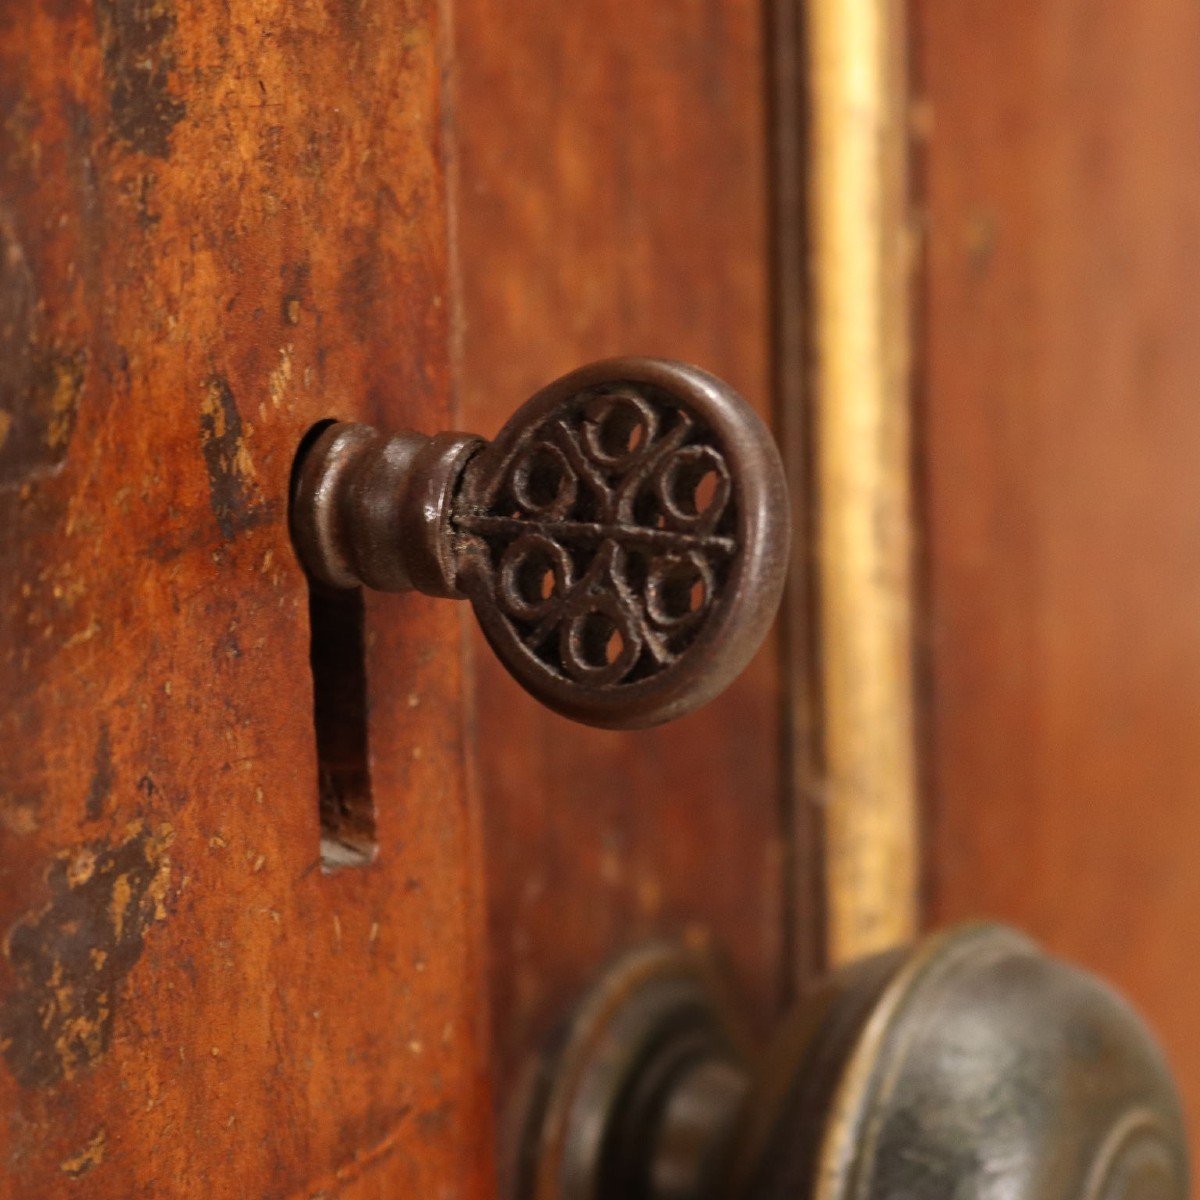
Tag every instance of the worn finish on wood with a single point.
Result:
(612, 199)
(1062, 432)
(623, 540)
(219, 224)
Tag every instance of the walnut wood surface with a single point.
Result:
(220, 222)
(1061, 436)
(612, 198)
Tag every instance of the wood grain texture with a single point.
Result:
(612, 198)
(1062, 432)
(221, 222)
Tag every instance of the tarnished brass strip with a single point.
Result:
(860, 243)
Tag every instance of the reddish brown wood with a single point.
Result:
(220, 223)
(612, 198)
(1061, 435)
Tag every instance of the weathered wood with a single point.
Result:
(220, 223)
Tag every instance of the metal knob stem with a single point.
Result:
(623, 540)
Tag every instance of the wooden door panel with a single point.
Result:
(223, 222)
(613, 198)
(228, 225)
(1061, 435)
(220, 224)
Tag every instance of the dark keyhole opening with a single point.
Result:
(337, 658)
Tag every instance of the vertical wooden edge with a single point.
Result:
(479, 950)
(858, 440)
(801, 832)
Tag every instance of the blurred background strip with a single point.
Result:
(1059, 427)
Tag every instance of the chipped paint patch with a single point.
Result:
(233, 492)
(72, 957)
(280, 378)
(40, 381)
(62, 382)
(138, 37)
(92, 1155)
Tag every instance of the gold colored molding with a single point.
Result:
(860, 256)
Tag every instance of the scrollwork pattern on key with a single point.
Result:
(606, 535)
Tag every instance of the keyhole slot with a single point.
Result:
(337, 659)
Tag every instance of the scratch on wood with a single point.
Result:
(231, 486)
(332, 1184)
(139, 56)
(92, 1155)
(102, 775)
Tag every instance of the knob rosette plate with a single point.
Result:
(973, 1065)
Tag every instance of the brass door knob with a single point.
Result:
(974, 1067)
(623, 541)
